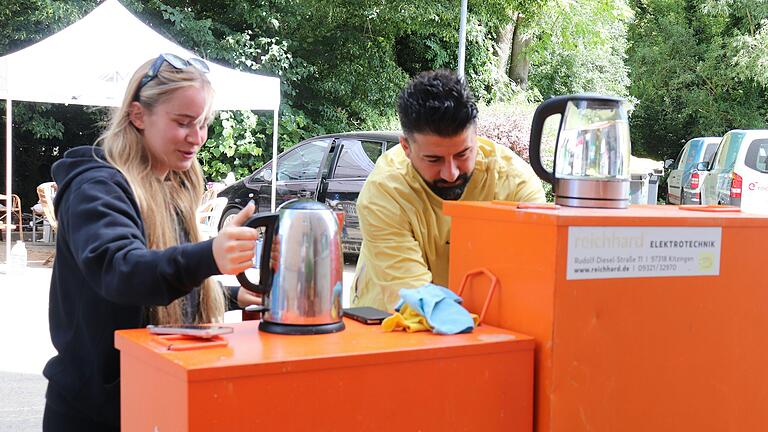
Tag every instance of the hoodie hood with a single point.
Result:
(80, 163)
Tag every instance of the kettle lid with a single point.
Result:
(303, 204)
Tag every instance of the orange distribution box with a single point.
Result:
(360, 379)
(652, 318)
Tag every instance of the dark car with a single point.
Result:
(346, 160)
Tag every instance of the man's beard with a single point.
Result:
(452, 192)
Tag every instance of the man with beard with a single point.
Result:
(405, 233)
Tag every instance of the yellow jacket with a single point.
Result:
(406, 234)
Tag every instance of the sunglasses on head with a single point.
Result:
(173, 60)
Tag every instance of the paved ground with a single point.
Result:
(25, 344)
(22, 406)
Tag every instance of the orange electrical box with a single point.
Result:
(361, 379)
(652, 318)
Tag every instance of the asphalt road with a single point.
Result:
(25, 345)
(22, 401)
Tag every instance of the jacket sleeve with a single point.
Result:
(517, 180)
(104, 233)
(393, 257)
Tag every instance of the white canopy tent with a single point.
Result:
(90, 63)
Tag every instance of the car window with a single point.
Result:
(757, 155)
(357, 158)
(719, 154)
(303, 162)
(391, 144)
(690, 155)
(726, 156)
(709, 152)
(679, 158)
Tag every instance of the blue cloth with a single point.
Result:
(440, 306)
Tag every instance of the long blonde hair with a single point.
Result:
(165, 203)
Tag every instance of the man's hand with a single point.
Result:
(247, 298)
(233, 248)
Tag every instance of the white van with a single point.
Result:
(739, 172)
(685, 178)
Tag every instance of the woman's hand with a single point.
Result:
(233, 248)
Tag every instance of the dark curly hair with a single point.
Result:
(438, 103)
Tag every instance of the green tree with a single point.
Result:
(581, 47)
(694, 71)
(554, 47)
(341, 63)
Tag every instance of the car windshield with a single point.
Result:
(302, 162)
(726, 158)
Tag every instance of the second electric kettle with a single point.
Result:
(591, 167)
(302, 294)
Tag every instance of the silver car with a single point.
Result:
(687, 171)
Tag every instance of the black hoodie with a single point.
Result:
(102, 279)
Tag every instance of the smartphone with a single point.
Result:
(202, 331)
(366, 314)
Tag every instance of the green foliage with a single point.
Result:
(342, 63)
(487, 84)
(363, 52)
(31, 118)
(239, 141)
(580, 47)
(25, 22)
(242, 140)
(235, 144)
(695, 71)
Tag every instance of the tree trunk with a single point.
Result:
(519, 64)
(504, 47)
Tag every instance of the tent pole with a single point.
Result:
(8, 189)
(274, 158)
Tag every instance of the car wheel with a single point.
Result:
(227, 217)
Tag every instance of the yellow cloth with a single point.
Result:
(411, 321)
(406, 234)
(407, 319)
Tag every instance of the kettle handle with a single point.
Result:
(268, 221)
(546, 109)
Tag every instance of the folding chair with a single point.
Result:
(8, 226)
(208, 217)
(45, 193)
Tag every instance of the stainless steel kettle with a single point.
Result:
(302, 293)
(591, 167)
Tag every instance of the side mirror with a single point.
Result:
(266, 175)
(702, 166)
(668, 163)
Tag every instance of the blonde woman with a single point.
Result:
(128, 252)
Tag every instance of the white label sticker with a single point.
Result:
(623, 252)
